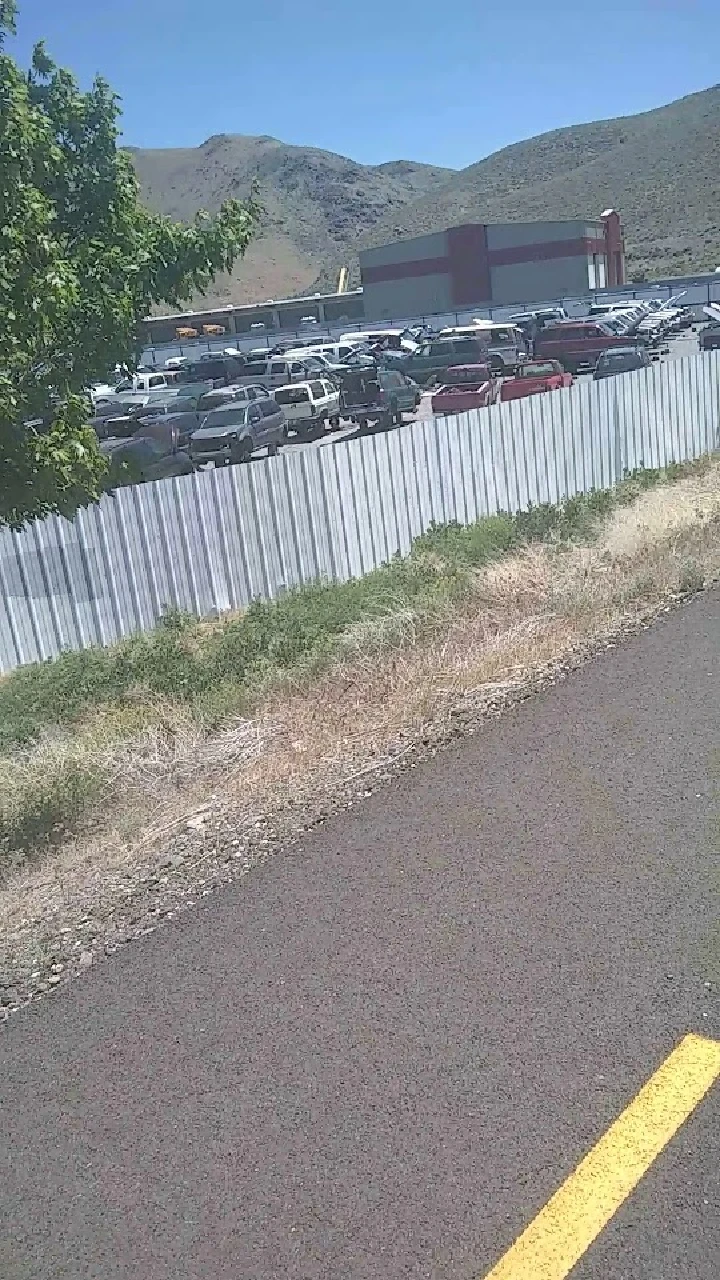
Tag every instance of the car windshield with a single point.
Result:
(618, 357)
(292, 395)
(538, 370)
(225, 417)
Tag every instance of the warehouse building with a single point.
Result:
(492, 263)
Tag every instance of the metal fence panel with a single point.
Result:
(216, 540)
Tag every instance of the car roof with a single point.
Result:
(620, 351)
(232, 406)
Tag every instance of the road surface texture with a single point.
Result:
(381, 1054)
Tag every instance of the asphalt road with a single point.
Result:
(379, 1056)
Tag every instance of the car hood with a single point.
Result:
(218, 432)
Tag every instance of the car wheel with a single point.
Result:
(243, 452)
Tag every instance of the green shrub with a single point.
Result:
(40, 804)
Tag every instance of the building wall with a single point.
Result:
(527, 282)
(403, 251)
(413, 296)
(474, 263)
(407, 277)
(507, 235)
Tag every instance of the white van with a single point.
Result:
(506, 345)
(394, 339)
(148, 381)
(337, 352)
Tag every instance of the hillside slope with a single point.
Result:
(660, 169)
(316, 204)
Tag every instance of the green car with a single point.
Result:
(399, 387)
(433, 359)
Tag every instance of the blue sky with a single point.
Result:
(444, 81)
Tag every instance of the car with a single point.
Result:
(234, 432)
(433, 359)
(148, 380)
(183, 420)
(377, 397)
(621, 360)
(334, 352)
(278, 371)
(709, 337)
(470, 386)
(536, 378)
(506, 343)
(385, 339)
(153, 452)
(309, 406)
(219, 370)
(401, 388)
(219, 396)
(577, 344)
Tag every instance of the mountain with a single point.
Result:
(316, 204)
(659, 168)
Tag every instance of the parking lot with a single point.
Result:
(681, 345)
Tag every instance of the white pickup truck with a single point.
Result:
(309, 407)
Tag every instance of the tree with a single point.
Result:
(81, 263)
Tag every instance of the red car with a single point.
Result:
(578, 343)
(535, 378)
(468, 386)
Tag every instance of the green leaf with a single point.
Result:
(82, 262)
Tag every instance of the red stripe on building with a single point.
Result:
(545, 251)
(469, 261)
(406, 270)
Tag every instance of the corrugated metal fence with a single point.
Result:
(216, 540)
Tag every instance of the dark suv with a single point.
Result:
(219, 370)
(621, 360)
(709, 337)
(432, 361)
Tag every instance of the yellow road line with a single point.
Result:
(563, 1231)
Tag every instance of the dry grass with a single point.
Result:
(217, 804)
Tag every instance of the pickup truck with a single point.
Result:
(536, 378)
(377, 396)
(432, 360)
(309, 407)
(576, 344)
(468, 386)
